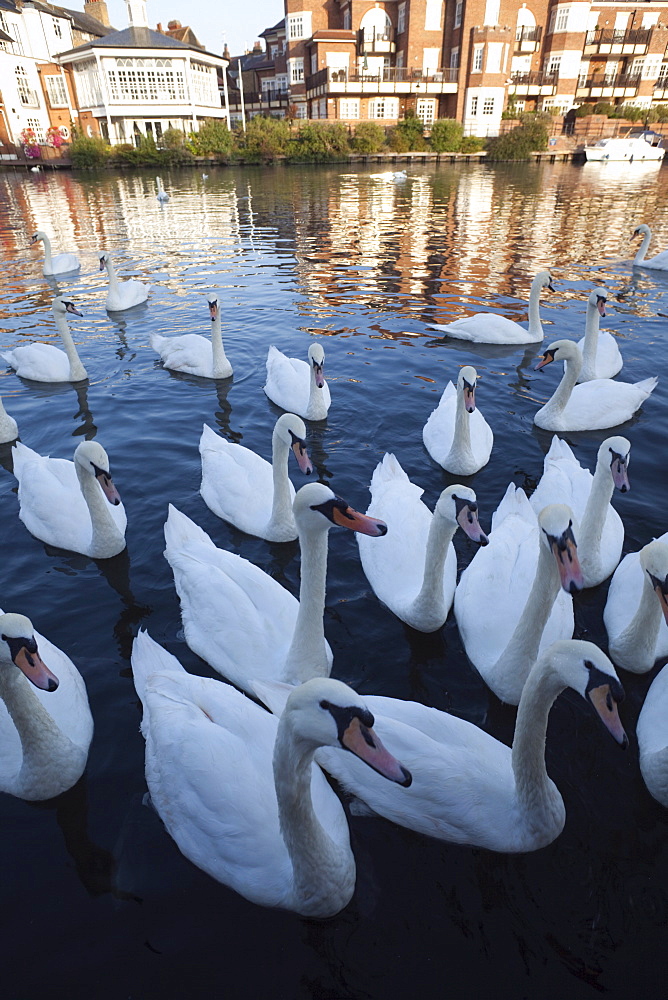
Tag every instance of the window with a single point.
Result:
(204, 84)
(15, 45)
(401, 18)
(454, 58)
(432, 18)
(55, 88)
(346, 19)
(27, 96)
(663, 74)
(553, 65)
(649, 20)
(384, 107)
(426, 110)
(299, 25)
(281, 82)
(458, 13)
(430, 61)
(474, 107)
(36, 126)
(349, 108)
(488, 106)
(296, 70)
(132, 79)
(301, 109)
(561, 20)
(57, 29)
(478, 52)
(492, 12)
(314, 62)
(274, 51)
(88, 83)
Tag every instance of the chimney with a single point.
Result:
(137, 13)
(257, 47)
(98, 10)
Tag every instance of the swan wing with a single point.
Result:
(624, 596)
(288, 381)
(597, 405)
(659, 262)
(39, 362)
(439, 430)
(190, 353)
(608, 361)
(486, 328)
(237, 484)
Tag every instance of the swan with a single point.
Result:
(456, 435)
(653, 738)
(122, 294)
(637, 600)
(297, 386)
(600, 354)
(194, 354)
(239, 619)
(600, 531)
(237, 789)
(73, 505)
(46, 363)
(45, 726)
(9, 430)
(591, 406)
(62, 263)
(162, 195)
(467, 787)
(659, 262)
(254, 495)
(488, 328)
(413, 569)
(508, 605)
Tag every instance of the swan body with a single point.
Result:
(73, 505)
(652, 734)
(162, 195)
(298, 386)
(593, 405)
(242, 488)
(237, 789)
(9, 430)
(413, 569)
(636, 611)
(122, 294)
(193, 353)
(659, 262)
(456, 435)
(513, 600)
(467, 787)
(600, 354)
(45, 720)
(61, 263)
(46, 363)
(488, 328)
(239, 619)
(600, 531)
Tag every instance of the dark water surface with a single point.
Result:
(96, 899)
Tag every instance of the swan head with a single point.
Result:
(641, 230)
(62, 305)
(466, 381)
(555, 523)
(559, 350)
(316, 356)
(597, 300)
(458, 504)
(615, 452)
(38, 237)
(214, 308)
(292, 429)
(105, 260)
(544, 280)
(326, 712)
(316, 507)
(94, 461)
(584, 667)
(18, 646)
(654, 561)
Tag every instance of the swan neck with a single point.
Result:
(535, 792)
(635, 648)
(77, 370)
(592, 326)
(106, 539)
(220, 362)
(535, 325)
(460, 449)
(642, 250)
(111, 271)
(281, 508)
(307, 656)
(594, 517)
(47, 251)
(430, 601)
(562, 393)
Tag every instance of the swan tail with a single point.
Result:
(515, 501)
(389, 474)
(559, 449)
(157, 340)
(149, 658)
(9, 359)
(21, 455)
(180, 530)
(648, 385)
(209, 441)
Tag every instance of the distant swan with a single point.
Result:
(456, 435)
(162, 195)
(659, 262)
(62, 263)
(636, 611)
(298, 386)
(73, 505)
(591, 406)
(600, 354)
(9, 430)
(122, 294)
(44, 362)
(488, 328)
(45, 726)
(236, 787)
(242, 488)
(194, 354)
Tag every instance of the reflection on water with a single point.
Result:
(363, 264)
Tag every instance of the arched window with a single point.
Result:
(375, 24)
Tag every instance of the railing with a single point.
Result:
(618, 36)
(389, 74)
(605, 80)
(526, 34)
(534, 79)
(369, 38)
(258, 97)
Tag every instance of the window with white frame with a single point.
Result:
(27, 96)
(432, 17)
(663, 75)
(281, 82)
(430, 61)
(55, 88)
(400, 60)
(349, 107)
(87, 83)
(454, 58)
(57, 27)
(651, 68)
(488, 106)
(492, 12)
(268, 84)
(649, 20)
(346, 19)
(301, 111)
(473, 107)
(520, 105)
(14, 46)
(384, 107)
(299, 25)
(458, 13)
(553, 65)
(426, 110)
(36, 126)
(401, 18)
(478, 53)
(637, 68)
(314, 62)
(296, 70)
(274, 51)
(561, 19)
(133, 79)
(205, 84)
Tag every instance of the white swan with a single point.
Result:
(243, 488)
(46, 363)
(599, 528)
(488, 328)
(513, 600)
(467, 787)
(636, 611)
(659, 262)
(192, 353)
(9, 430)
(62, 263)
(456, 435)
(45, 726)
(297, 386)
(162, 195)
(122, 294)
(239, 619)
(413, 569)
(600, 354)
(237, 789)
(73, 505)
(591, 406)
(652, 733)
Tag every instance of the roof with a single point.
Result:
(280, 25)
(84, 22)
(137, 38)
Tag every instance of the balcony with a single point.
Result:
(612, 41)
(601, 85)
(528, 39)
(259, 101)
(392, 80)
(533, 84)
(661, 89)
(371, 42)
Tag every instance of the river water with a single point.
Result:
(96, 898)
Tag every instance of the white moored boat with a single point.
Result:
(636, 148)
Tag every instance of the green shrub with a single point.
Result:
(584, 111)
(408, 134)
(368, 138)
(519, 143)
(89, 152)
(320, 141)
(604, 108)
(398, 141)
(662, 113)
(446, 135)
(213, 138)
(471, 144)
(144, 155)
(264, 138)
